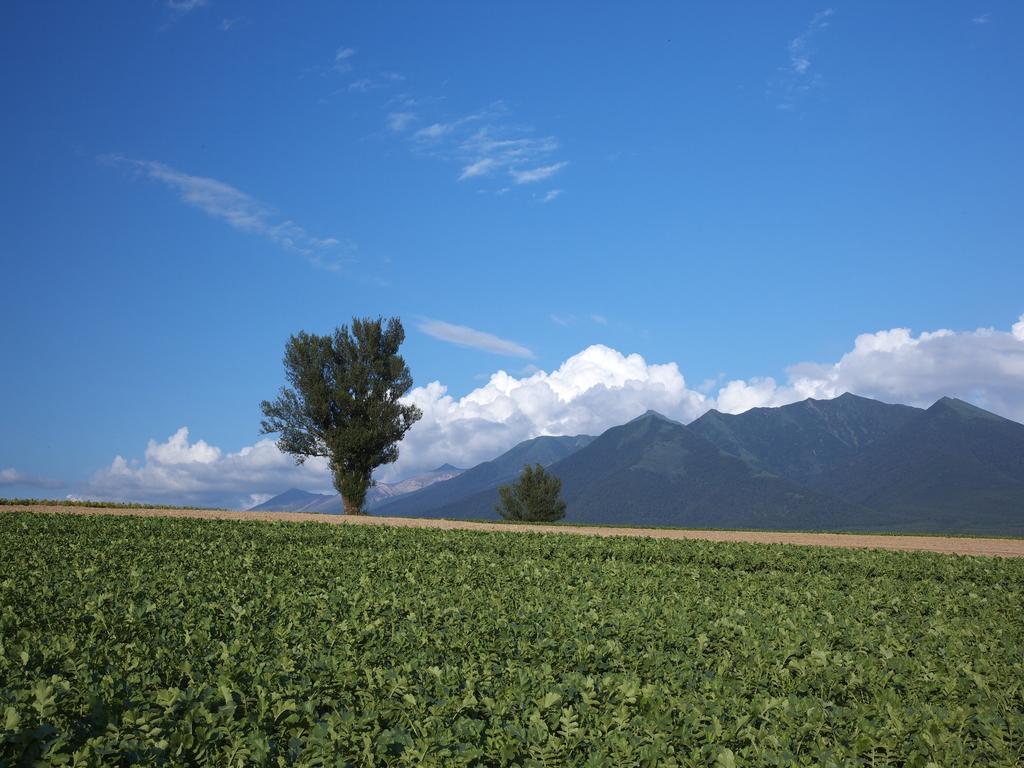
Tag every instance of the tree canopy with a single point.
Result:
(344, 402)
(534, 497)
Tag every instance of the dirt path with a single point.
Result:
(944, 544)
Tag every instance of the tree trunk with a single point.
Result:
(350, 508)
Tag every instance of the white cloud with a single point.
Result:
(399, 121)
(433, 132)
(551, 195)
(984, 366)
(178, 450)
(464, 336)
(1018, 329)
(538, 174)
(241, 211)
(984, 18)
(10, 477)
(344, 53)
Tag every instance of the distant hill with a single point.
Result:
(654, 471)
(295, 500)
(484, 477)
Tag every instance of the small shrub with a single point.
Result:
(534, 497)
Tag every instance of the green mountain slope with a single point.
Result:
(952, 468)
(804, 440)
(653, 471)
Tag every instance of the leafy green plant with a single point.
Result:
(534, 497)
(127, 641)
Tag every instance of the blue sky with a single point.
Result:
(732, 189)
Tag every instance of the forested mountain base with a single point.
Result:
(159, 641)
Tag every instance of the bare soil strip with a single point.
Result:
(944, 544)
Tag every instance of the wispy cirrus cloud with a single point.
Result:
(984, 18)
(797, 78)
(507, 151)
(486, 144)
(184, 6)
(481, 167)
(531, 175)
(374, 82)
(464, 336)
(399, 121)
(567, 320)
(241, 211)
(342, 56)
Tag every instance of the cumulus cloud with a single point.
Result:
(464, 336)
(177, 471)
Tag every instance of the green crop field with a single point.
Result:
(182, 642)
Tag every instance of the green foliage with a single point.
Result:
(535, 497)
(344, 402)
(186, 642)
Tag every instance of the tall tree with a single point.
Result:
(343, 402)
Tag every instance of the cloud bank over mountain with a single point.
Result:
(177, 471)
(593, 390)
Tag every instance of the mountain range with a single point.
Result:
(294, 500)
(850, 463)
